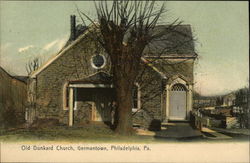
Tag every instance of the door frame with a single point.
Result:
(189, 96)
(170, 109)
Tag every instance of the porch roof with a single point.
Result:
(96, 79)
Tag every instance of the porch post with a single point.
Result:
(71, 106)
(189, 100)
(167, 102)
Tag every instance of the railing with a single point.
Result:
(197, 119)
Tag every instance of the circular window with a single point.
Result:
(98, 61)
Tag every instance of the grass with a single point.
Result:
(88, 134)
(69, 134)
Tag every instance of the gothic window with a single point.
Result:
(178, 87)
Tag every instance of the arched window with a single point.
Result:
(178, 87)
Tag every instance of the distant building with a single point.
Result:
(229, 99)
(233, 111)
(13, 99)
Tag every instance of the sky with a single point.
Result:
(29, 29)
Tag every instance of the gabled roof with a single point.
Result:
(79, 30)
(5, 72)
(21, 78)
(171, 41)
(176, 43)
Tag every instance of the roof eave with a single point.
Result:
(154, 68)
(174, 56)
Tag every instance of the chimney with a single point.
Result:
(72, 27)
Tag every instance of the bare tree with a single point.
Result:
(125, 29)
(33, 65)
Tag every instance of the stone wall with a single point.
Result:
(179, 67)
(151, 87)
(83, 113)
(74, 64)
(232, 122)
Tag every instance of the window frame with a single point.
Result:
(92, 61)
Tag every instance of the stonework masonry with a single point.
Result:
(46, 87)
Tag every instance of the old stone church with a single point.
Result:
(75, 86)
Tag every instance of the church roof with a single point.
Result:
(171, 41)
(174, 42)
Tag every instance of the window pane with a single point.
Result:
(98, 60)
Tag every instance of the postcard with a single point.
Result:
(124, 81)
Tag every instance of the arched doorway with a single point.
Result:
(178, 102)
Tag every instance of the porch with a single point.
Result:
(90, 103)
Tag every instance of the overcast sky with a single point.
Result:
(30, 29)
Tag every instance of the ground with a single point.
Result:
(171, 132)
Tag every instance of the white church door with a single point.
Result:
(178, 102)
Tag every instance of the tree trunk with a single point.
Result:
(124, 104)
